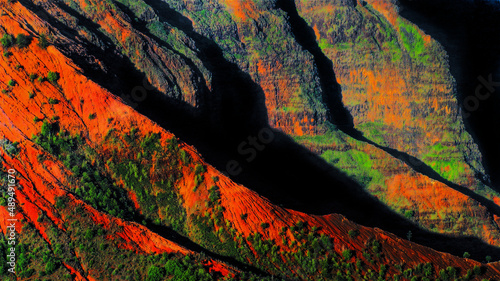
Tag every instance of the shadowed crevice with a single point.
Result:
(331, 90)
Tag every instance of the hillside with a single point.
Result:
(105, 106)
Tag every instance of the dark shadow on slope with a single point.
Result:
(285, 172)
(331, 90)
(202, 91)
(343, 120)
(469, 31)
(236, 104)
(424, 169)
(126, 77)
(171, 235)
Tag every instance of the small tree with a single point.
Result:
(347, 254)
(22, 40)
(33, 76)
(53, 101)
(7, 40)
(156, 273)
(488, 258)
(53, 77)
(466, 255)
(42, 41)
(353, 233)
(11, 83)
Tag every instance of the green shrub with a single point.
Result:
(53, 77)
(53, 101)
(11, 83)
(22, 40)
(477, 270)
(156, 273)
(42, 41)
(61, 202)
(347, 254)
(353, 233)
(92, 116)
(199, 169)
(7, 40)
(7, 54)
(214, 194)
(409, 214)
(51, 267)
(32, 77)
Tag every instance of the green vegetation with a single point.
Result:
(409, 235)
(155, 188)
(11, 83)
(11, 148)
(33, 76)
(7, 40)
(353, 233)
(53, 101)
(409, 214)
(413, 41)
(22, 41)
(311, 255)
(324, 45)
(198, 172)
(355, 163)
(37, 259)
(92, 116)
(31, 95)
(53, 77)
(447, 161)
(42, 41)
(94, 185)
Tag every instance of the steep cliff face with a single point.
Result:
(106, 193)
(393, 79)
(397, 86)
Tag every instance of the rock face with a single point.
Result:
(106, 193)
(382, 81)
